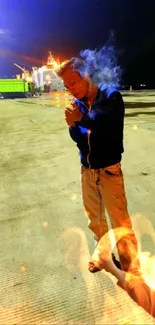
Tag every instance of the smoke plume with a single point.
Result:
(102, 65)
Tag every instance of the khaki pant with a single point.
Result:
(104, 189)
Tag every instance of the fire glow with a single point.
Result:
(140, 288)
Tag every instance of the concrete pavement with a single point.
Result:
(45, 244)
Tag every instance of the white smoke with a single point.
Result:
(102, 65)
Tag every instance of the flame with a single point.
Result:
(53, 63)
(147, 262)
(139, 281)
(148, 268)
(76, 258)
(134, 284)
(143, 226)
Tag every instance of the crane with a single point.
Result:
(26, 74)
(18, 66)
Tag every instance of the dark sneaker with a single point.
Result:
(116, 262)
(94, 268)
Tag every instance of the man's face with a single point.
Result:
(75, 84)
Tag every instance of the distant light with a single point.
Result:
(134, 127)
(23, 268)
(45, 224)
(73, 197)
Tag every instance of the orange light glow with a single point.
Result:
(23, 268)
(53, 63)
(45, 224)
(148, 268)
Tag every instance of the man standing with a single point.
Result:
(96, 125)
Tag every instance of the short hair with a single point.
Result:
(76, 64)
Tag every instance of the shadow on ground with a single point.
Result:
(139, 113)
(139, 104)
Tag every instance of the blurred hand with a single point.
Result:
(69, 117)
(72, 115)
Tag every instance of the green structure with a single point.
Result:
(14, 88)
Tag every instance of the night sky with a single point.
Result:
(30, 28)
